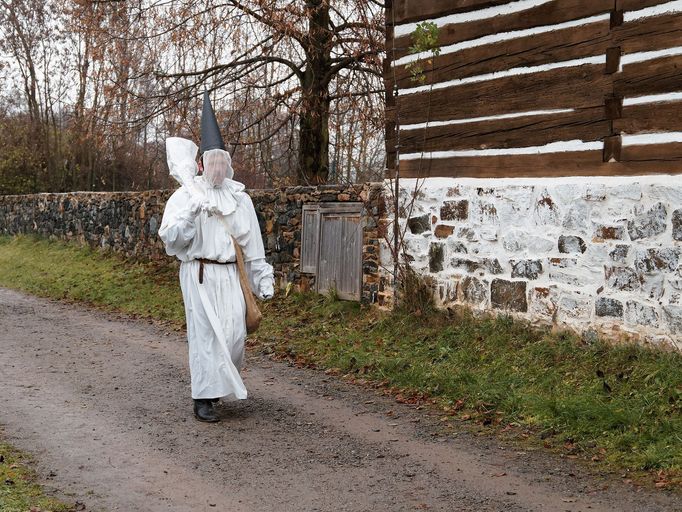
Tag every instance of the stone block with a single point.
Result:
(509, 295)
(622, 278)
(436, 257)
(569, 244)
(455, 246)
(637, 313)
(652, 260)
(653, 285)
(546, 210)
(526, 269)
(677, 225)
(515, 241)
(543, 302)
(648, 223)
(577, 217)
(455, 210)
(443, 231)
(619, 254)
(487, 214)
(673, 317)
(575, 306)
(602, 233)
(465, 263)
(492, 265)
(475, 291)
(418, 225)
(606, 307)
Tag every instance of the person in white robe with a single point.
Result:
(198, 224)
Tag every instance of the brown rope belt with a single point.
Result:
(203, 261)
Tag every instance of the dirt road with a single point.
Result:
(103, 403)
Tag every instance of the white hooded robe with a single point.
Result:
(215, 310)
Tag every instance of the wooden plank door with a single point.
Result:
(339, 264)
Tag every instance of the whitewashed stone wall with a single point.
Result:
(597, 255)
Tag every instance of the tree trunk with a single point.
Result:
(313, 155)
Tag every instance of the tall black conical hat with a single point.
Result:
(210, 132)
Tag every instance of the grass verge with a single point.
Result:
(18, 489)
(618, 407)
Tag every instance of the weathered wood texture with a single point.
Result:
(568, 44)
(635, 5)
(574, 87)
(648, 34)
(558, 11)
(650, 118)
(417, 10)
(577, 163)
(587, 124)
(470, 83)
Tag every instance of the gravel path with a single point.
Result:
(103, 402)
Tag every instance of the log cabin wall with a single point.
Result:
(537, 88)
(540, 160)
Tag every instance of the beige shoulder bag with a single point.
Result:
(253, 314)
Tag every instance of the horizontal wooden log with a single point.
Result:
(652, 154)
(587, 124)
(648, 34)
(575, 87)
(562, 45)
(649, 77)
(651, 117)
(558, 11)
(636, 5)
(580, 163)
(417, 10)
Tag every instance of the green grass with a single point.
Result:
(617, 407)
(18, 490)
(61, 271)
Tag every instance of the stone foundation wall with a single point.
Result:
(127, 223)
(592, 254)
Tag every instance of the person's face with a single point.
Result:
(216, 171)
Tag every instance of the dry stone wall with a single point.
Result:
(594, 255)
(127, 223)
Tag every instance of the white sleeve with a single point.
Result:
(177, 226)
(261, 275)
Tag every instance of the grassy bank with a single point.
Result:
(18, 490)
(614, 406)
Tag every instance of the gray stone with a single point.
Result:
(575, 306)
(526, 269)
(468, 264)
(571, 244)
(474, 291)
(419, 224)
(640, 314)
(546, 210)
(653, 285)
(677, 225)
(605, 307)
(651, 260)
(673, 317)
(492, 265)
(457, 247)
(468, 234)
(649, 223)
(577, 217)
(620, 253)
(622, 278)
(514, 241)
(509, 295)
(455, 210)
(436, 257)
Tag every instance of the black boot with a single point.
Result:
(203, 411)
